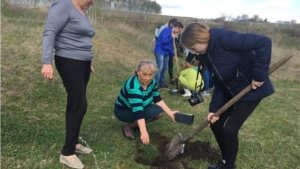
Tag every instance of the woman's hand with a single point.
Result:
(172, 114)
(166, 109)
(92, 69)
(47, 71)
(145, 138)
(211, 118)
(175, 58)
(173, 34)
(256, 84)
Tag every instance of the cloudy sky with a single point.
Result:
(273, 10)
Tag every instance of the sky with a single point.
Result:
(273, 10)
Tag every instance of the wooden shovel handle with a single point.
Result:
(175, 53)
(236, 98)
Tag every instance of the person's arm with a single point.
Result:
(135, 99)
(143, 130)
(57, 18)
(259, 44)
(167, 40)
(166, 109)
(136, 102)
(158, 100)
(217, 101)
(166, 36)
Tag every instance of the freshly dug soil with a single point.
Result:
(193, 150)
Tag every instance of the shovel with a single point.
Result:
(176, 145)
(177, 67)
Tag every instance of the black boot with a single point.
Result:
(220, 165)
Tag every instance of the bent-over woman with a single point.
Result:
(188, 78)
(235, 61)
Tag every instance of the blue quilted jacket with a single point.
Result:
(234, 59)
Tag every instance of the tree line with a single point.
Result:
(142, 6)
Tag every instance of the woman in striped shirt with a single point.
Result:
(134, 102)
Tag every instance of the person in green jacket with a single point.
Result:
(187, 78)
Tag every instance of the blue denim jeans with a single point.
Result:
(162, 62)
(206, 79)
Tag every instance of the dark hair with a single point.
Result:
(173, 20)
(178, 25)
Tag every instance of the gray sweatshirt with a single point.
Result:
(68, 32)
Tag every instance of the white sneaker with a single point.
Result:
(205, 93)
(187, 93)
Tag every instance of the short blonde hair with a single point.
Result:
(146, 63)
(195, 33)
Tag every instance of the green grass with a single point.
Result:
(32, 109)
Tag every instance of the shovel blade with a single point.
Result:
(174, 148)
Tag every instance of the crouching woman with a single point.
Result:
(189, 80)
(134, 102)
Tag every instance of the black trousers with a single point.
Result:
(226, 129)
(75, 75)
(170, 67)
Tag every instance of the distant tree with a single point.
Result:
(157, 7)
(229, 17)
(144, 6)
(255, 18)
(245, 17)
(225, 16)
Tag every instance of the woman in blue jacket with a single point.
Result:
(235, 61)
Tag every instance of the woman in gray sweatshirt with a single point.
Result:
(68, 30)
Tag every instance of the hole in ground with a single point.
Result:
(150, 155)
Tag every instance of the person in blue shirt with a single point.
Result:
(134, 102)
(235, 61)
(163, 49)
(171, 65)
(170, 23)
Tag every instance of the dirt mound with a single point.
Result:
(151, 155)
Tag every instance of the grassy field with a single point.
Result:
(32, 109)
